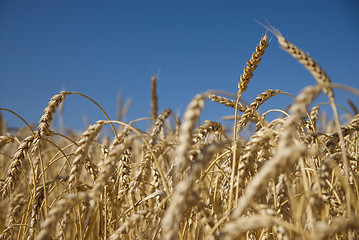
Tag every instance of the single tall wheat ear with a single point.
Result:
(252, 65)
(246, 76)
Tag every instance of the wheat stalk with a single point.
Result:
(48, 226)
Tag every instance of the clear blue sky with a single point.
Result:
(106, 48)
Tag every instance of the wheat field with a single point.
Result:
(294, 177)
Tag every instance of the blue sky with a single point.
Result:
(108, 48)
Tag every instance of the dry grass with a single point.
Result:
(295, 177)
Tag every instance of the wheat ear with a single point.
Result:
(190, 119)
(354, 123)
(14, 169)
(124, 171)
(15, 208)
(154, 98)
(63, 225)
(49, 111)
(158, 125)
(6, 139)
(252, 65)
(313, 115)
(35, 210)
(202, 131)
(145, 164)
(252, 109)
(257, 142)
(81, 152)
(227, 102)
(308, 62)
(130, 221)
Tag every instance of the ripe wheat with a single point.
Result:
(295, 177)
